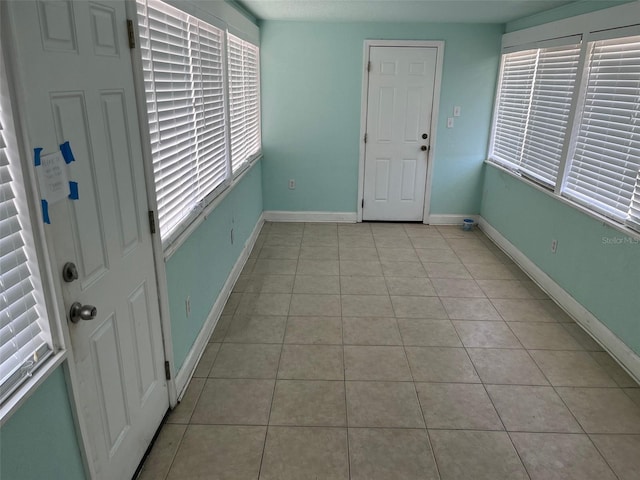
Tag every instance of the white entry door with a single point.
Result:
(399, 105)
(76, 78)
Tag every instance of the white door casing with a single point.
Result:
(400, 93)
(77, 86)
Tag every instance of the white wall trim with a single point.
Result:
(284, 216)
(626, 357)
(193, 357)
(606, 19)
(435, 112)
(450, 219)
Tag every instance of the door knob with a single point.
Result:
(79, 312)
(423, 148)
(69, 272)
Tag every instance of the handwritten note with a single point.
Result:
(52, 176)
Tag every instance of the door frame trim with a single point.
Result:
(158, 252)
(439, 46)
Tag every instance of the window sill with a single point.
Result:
(173, 247)
(22, 394)
(596, 216)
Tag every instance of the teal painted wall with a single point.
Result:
(201, 265)
(311, 77)
(564, 11)
(598, 265)
(44, 426)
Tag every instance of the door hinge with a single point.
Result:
(167, 371)
(369, 66)
(152, 221)
(365, 138)
(131, 34)
(362, 203)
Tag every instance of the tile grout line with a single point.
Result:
(415, 388)
(275, 384)
(489, 396)
(175, 454)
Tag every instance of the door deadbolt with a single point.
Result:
(69, 272)
(79, 312)
(425, 136)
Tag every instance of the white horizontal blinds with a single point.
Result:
(604, 168)
(182, 66)
(518, 70)
(253, 142)
(23, 347)
(536, 90)
(171, 109)
(549, 110)
(210, 121)
(244, 100)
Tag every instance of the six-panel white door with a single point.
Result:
(76, 75)
(399, 105)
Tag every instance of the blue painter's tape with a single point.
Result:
(65, 148)
(36, 156)
(73, 191)
(45, 211)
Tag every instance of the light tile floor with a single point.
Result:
(390, 351)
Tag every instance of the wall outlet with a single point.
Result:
(187, 305)
(456, 111)
(292, 184)
(232, 236)
(554, 246)
(450, 122)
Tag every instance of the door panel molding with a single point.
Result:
(368, 44)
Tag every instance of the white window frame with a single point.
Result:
(24, 186)
(610, 23)
(170, 245)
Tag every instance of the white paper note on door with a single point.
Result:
(52, 176)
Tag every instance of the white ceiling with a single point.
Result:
(423, 11)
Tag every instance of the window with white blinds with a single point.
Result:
(23, 344)
(534, 103)
(514, 96)
(184, 84)
(244, 100)
(604, 169)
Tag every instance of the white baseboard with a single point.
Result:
(283, 216)
(450, 219)
(626, 357)
(193, 357)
